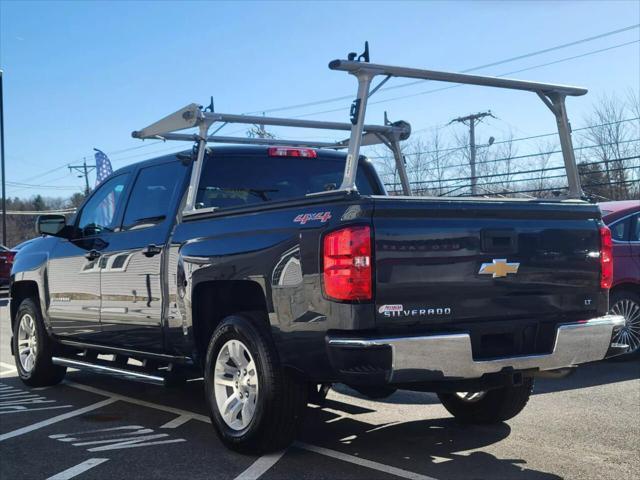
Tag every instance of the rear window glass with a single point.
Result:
(620, 230)
(238, 180)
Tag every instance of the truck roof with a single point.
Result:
(324, 154)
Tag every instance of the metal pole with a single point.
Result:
(568, 155)
(359, 109)
(84, 170)
(472, 157)
(556, 103)
(86, 176)
(472, 119)
(400, 167)
(4, 192)
(192, 192)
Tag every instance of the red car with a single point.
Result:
(623, 218)
(6, 260)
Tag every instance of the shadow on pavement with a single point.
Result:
(591, 375)
(435, 448)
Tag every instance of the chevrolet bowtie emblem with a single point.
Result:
(499, 268)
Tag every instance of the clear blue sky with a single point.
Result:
(84, 75)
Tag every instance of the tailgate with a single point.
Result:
(447, 263)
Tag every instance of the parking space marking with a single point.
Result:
(260, 466)
(345, 457)
(59, 418)
(142, 403)
(10, 370)
(15, 400)
(176, 422)
(129, 436)
(78, 469)
(255, 470)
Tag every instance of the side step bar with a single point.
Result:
(119, 372)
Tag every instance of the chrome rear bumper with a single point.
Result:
(449, 356)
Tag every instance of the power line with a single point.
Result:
(519, 157)
(468, 70)
(426, 92)
(522, 172)
(531, 137)
(319, 102)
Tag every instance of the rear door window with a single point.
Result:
(620, 230)
(151, 196)
(635, 228)
(234, 180)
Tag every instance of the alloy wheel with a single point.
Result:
(471, 397)
(27, 342)
(236, 385)
(630, 333)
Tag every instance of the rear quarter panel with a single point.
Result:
(278, 248)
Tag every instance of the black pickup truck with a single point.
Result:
(276, 270)
(271, 293)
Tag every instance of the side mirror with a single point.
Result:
(51, 225)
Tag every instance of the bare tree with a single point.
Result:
(615, 143)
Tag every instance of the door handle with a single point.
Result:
(151, 250)
(92, 255)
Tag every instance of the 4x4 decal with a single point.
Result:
(303, 218)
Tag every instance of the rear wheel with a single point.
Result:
(627, 304)
(33, 349)
(254, 404)
(492, 406)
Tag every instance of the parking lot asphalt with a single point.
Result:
(586, 426)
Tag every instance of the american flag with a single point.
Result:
(103, 166)
(108, 205)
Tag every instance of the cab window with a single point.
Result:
(235, 180)
(152, 194)
(98, 214)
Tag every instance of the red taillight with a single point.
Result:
(347, 264)
(606, 258)
(292, 152)
(9, 256)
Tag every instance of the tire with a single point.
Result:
(627, 303)
(30, 335)
(493, 406)
(274, 400)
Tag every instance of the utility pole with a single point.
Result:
(471, 121)
(84, 170)
(4, 191)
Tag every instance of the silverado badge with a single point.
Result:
(498, 268)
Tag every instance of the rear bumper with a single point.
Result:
(449, 356)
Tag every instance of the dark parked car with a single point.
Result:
(7, 257)
(6, 260)
(623, 219)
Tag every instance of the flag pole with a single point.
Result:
(4, 187)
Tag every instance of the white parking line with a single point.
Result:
(255, 470)
(78, 469)
(381, 467)
(176, 422)
(142, 403)
(8, 366)
(10, 370)
(59, 418)
(260, 466)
